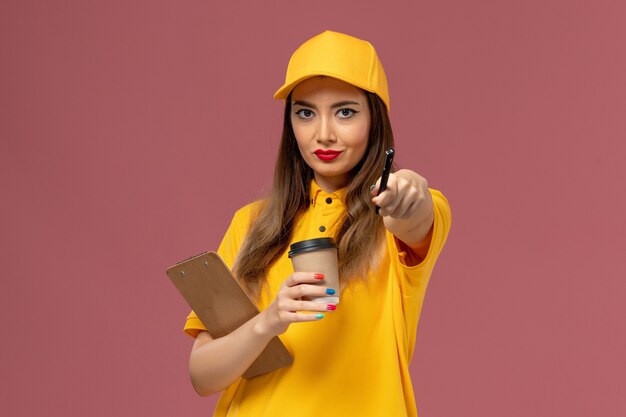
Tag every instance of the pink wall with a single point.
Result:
(131, 131)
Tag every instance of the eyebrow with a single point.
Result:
(334, 106)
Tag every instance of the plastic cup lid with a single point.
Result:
(311, 245)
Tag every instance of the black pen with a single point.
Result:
(386, 171)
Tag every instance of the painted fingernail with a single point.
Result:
(331, 307)
(318, 276)
(372, 187)
(319, 316)
(330, 291)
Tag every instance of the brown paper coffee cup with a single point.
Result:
(318, 255)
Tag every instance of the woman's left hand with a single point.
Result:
(406, 206)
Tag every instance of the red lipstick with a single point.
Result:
(326, 154)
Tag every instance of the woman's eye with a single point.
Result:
(304, 114)
(346, 113)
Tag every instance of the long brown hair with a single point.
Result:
(358, 234)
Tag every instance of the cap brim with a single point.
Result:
(284, 91)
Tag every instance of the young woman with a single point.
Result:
(351, 358)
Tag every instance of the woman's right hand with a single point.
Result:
(291, 304)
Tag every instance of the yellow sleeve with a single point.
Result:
(416, 277)
(228, 249)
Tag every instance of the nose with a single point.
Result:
(326, 131)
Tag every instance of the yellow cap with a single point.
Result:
(339, 56)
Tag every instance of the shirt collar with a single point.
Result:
(317, 194)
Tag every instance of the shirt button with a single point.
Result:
(329, 200)
(322, 229)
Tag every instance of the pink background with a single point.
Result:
(132, 130)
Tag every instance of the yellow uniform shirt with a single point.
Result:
(355, 361)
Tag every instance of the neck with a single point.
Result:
(331, 184)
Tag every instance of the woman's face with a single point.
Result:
(331, 121)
